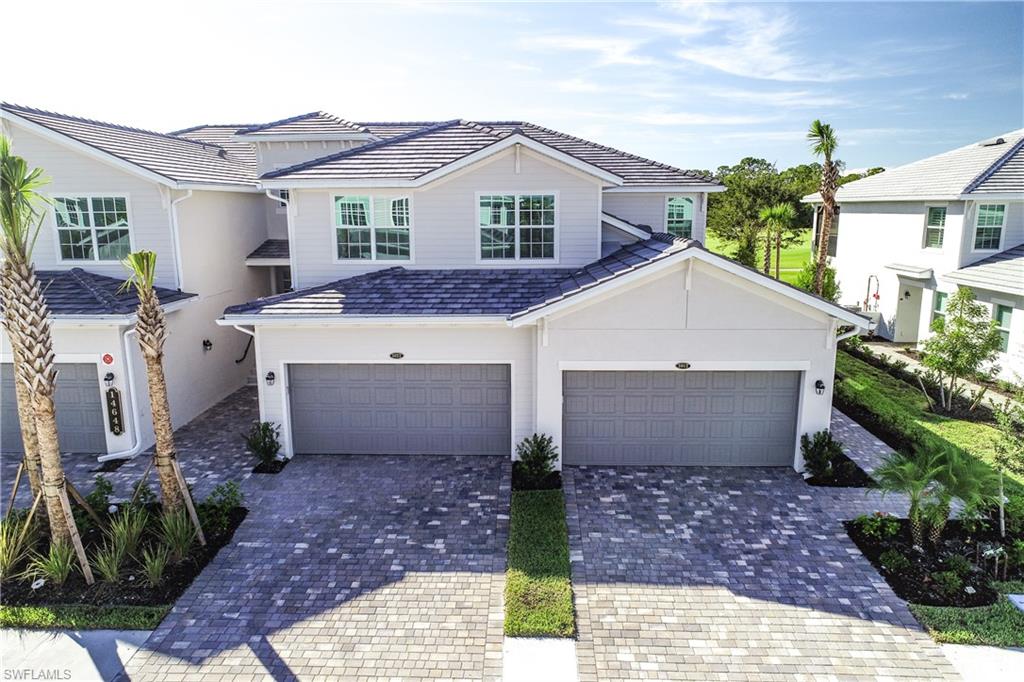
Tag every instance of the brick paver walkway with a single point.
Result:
(859, 444)
(350, 568)
(731, 574)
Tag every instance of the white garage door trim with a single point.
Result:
(281, 373)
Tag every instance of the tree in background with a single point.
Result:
(823, 143)
(777, 220)
(829, 284)
(1009, 447)
(734, 215)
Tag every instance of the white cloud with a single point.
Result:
(959, 96)
(609, 50)
(789, 99)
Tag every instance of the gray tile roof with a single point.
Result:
(272, 248)
(976, 168)
(1003, 271)
(222, 135)
(78, 292)
(315, 122)
(175, 158)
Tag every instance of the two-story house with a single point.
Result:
(908, 237)
(460, 285)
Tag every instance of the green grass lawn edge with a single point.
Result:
(538, 585)
(83, 617)
(1001, 624)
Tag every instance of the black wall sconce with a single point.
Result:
(819, 387)
(906, 294)
(207, 345)
(396, 356)
(270, 378)
(108, 379)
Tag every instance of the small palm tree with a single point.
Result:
(823, 143)
(777, 220)
(151, 328)
(915, 477)
(961, 477)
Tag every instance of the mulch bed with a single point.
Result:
(915, 583)
(274, 466)
(553, 481)
(127, 592)
(846, 474)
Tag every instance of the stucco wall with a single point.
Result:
(643, 208)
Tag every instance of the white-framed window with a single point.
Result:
(939, 302)
(934, 226)
(92, 228)
(679, 216)
(517, 226)
(372, 228)
(282, 207)
(1002, 313)
(988, 227)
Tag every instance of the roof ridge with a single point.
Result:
(236, 126)
(271, 124)
(357, 150)
(590, 143)
(84, 278)
(996, 165)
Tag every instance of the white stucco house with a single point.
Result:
(908, 237)
(452, 287)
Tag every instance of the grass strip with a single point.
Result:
(538, 589)
(1000, 624)
(83, 617)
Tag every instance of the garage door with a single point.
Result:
(79, 408)
(680, 418)
(400, 409)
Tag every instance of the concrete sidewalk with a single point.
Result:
(82, 656)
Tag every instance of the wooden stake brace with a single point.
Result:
(187, 497)
(14, 490)
(82, 503)
(76, 539)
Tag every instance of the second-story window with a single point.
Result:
(92, 228)
(935, 227)
(372, 228)
(679, 217)
(988, 227)
(517, 226)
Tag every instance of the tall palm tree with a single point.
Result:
(823, 143)
(27, 320)
(151, 328)
(777, 220)
(915, 477)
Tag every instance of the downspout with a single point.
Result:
(133, 397)
(176, 238)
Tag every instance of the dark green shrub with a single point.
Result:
(947, 582)
(820, 453)
(1014, 510)
(56, 565)
(959, 565)
(263, 441)
(177, 533)
(893, 561)
(1015, 553)
(880, 526)
(536, 460)
(143, 495)
(215, 511)
(99, 497)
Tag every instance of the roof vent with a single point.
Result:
(993, 143)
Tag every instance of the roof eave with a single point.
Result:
(286, 320)
(622, 225)
(306, 137)
(702, 187)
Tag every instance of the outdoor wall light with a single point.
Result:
(396, 356)
(819, 387)
(270, 378)
(906, 294)
(207, 345)
(108, 379)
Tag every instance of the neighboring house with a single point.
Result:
(908, 237)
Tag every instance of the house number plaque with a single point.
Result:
(115, 417)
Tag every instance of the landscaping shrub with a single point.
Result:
(894, 560)
(958, 564)
(820, 452)
(143, 495)
(154, 562)
(1015, 554)
(18, 535)
(948, 582)
(534, 468)
(178, 533)
(127, 527)
(99, 499)
(263, 440)
(108, 561)
(880, 526)
(56, 564)
(215, 511)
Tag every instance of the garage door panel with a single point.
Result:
(400, 409)
(81, 424)
(704, 418)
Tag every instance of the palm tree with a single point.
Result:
(915, 477)
(777, 220)
(961, 477)
(823, 143)
(27, 320)
(151, 327)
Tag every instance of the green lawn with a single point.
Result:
(538, 591)
(80, 617)
(792, 261)
(1000, 624)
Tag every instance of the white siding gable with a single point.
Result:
(648, 208)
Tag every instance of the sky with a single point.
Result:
(693, 84)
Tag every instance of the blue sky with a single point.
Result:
(692, 84)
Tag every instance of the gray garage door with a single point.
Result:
(400, 409)
(79, 410)
(680, 418)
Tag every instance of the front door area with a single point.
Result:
(908, 314)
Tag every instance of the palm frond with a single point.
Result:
(21, 204)
(141, 267)
(823, 139)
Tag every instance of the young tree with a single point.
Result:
(1009, 456)
(777, 220)
(823, 143)
(965, 338)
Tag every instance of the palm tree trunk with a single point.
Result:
(916, 524)
(767, 252)
(1002, 504)
(823, 234)
(935, 532)
(778, 251)
(165, 452)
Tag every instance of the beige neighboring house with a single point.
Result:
(450, 287)
(908, 237)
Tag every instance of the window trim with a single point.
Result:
(373, 197)
(693, 218)
(935, 311)
(996, 303)
(924, 233)
(1002, 229)
(517, 261)
(90, 196)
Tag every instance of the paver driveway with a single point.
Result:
(731, 574)
(350, 568)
